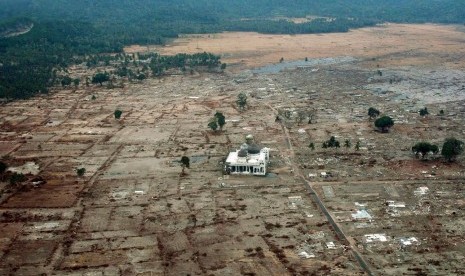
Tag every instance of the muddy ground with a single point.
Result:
(376, 209)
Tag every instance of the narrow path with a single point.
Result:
(316, 198)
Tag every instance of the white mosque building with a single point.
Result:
(250, 159)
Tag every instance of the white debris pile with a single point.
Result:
(408, 241)
(421, 191)
(370, 238)
(331, 245)
(394, 208)
(394, 204)
(294, 202)
(305, 252)
(317, 235)
(28, 168)
(361, 214)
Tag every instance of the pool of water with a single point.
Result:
(286, 65)
(198, 158)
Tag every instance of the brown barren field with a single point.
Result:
(247, 50)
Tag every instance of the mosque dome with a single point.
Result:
(243, 150)
(242, 153)
(254, 149)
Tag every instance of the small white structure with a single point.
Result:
(409, 241)
(375, 238)
(421, 191)
(330, 245)
(248, 160)
(361, 214)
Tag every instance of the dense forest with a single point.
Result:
(40, 37)
(213, 11)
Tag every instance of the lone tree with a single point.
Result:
(100, 78)
(373, 113)
(347, 143)
(66, 81)
(241, 100)
(76, 82)
(213, 124)
(312, 146)
(221, 120)
(384, 123)
(3, 168)
(423, 112)
(424, 148)
(331, 143)
(451, 149)
(118, 113)
(80, 172)
(185, 163)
